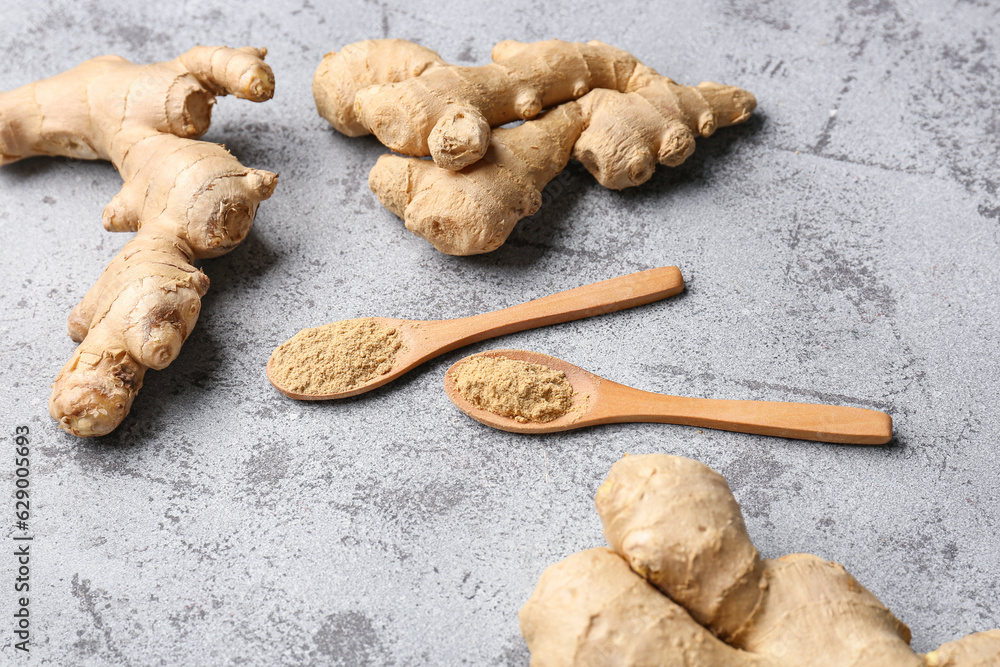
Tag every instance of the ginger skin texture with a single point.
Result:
(418, 105)
(446, 111)
(683, 585)
(618, 137)
(615, 115)
(186, 199)
(474, 210)
(372, 62)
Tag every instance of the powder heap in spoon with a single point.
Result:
(517, 389)
(335, 357)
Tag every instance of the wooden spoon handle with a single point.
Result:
(804, 421)
(607, 296)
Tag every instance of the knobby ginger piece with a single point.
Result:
(619, 137)
(428, 107)
(419, 105)
(617, 116)
(683, 585)
(473, 211)
(185, 199)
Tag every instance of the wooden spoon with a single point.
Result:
(599, 401)
(424, 340)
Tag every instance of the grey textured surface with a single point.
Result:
(841, 247)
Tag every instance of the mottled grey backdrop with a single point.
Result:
(841, 247)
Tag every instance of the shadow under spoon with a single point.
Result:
(599, 401)
(424, 340)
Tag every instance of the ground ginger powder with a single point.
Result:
(335, 357)
(517, 389)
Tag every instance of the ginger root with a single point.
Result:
(617, 116)
(683, 585)
(618, 137)
(343, 73)
(473, 211)
(418, 105)
(446, 111)
(186, 200)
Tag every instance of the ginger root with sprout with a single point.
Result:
(186, 199)
(682, 584)
(617, 116)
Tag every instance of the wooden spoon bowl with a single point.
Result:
(599, 401)
(418, 345)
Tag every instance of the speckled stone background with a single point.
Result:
(841, 247)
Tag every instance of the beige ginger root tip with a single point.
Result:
(186, 200)
(628, 134)
(673, 522)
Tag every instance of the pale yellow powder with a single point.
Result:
(335, 357)
(517, 389)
